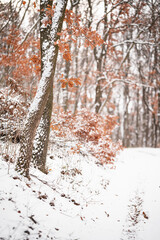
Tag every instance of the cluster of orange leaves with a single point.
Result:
(91, 130)
(13, 56)
(13, 110)
(24, 3)
(69, 81)
(49, 12)
(74, 30)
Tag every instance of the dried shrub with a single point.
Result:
(90, 129)
(13, 108)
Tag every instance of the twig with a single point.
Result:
(31, 217)
(45, 182)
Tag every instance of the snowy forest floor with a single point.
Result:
(80, 199)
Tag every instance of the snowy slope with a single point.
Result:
(79, 199)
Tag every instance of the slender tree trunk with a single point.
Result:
(85, 80)
(100, 57)
(126, 116)
(43, 92)
(137, 120)
(76, 75)
(65, 90)
(158, 120)
(98, 98)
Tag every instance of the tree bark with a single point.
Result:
(40, 144)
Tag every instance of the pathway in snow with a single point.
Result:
(133, 198)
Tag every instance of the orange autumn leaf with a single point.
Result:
(77, 81)
(70, 84)
(63, 84)
(67, 56)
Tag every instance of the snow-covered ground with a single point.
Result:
(80, 199)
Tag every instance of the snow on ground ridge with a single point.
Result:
(80, 200)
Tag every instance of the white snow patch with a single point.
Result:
(79, 199)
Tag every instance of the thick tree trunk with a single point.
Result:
(40, 100)
(40, 143)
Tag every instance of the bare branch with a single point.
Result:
(24, 13)
(28, 33)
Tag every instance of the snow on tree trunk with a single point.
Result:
(41, 139)
(40, 143)
(46, 83)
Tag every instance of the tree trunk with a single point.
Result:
(98, 97)
(77, 94)
(40, 143)
(44, 88)
(65, 90)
